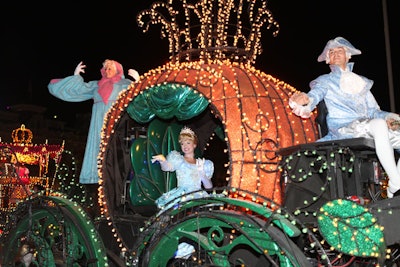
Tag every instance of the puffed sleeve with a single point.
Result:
(206, 173)
(208, 168)
(72, 88)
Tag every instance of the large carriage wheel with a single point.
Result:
(222, 231)
(51, 231)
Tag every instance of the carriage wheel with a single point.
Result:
(219, 231)
(51, 231)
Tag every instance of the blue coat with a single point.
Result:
(343, 107)
(74, 89)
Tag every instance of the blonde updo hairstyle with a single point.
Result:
(187, 134)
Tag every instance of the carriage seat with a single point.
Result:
(322, 125)
(351, 163)
(359, 143)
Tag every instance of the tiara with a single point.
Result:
(187, 130)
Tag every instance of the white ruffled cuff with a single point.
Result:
(299, 110)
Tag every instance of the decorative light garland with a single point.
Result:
(226, 30)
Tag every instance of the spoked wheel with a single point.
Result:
(220, 231)
(51, 231)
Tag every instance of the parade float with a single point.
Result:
(26, 167)
(280, 199)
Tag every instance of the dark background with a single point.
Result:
(42, 41)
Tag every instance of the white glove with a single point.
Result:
(80, 68)
(184, 251)
(134, 74)
(202, 173)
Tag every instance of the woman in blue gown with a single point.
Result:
(192, 173)
(104, 93)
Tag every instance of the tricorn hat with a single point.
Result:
(338, 42)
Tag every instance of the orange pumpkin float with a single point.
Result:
(251, 105)
(210, 71)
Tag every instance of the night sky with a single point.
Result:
(46, 41)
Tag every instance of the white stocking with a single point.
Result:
(398, 165)
(384, 150)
